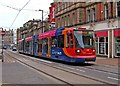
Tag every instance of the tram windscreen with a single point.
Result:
(84, 39)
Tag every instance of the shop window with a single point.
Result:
(117, 46)
(103, 45)
(61, 41)
(106, 39)
(101, 39)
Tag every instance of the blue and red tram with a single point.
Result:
(21, 46)
(66, 44)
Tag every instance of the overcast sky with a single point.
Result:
(7, 14)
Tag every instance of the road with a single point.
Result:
(73, 74)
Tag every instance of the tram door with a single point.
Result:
(45, 47)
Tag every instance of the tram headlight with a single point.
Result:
(59, 53)
(78, 51)
(93, 50)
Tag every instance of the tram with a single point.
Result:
(65, 44)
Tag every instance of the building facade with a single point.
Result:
(32, 27)
(8, 38)
(0, 39)
(102, 17)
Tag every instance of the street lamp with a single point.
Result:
(42, 20)
(2, 34)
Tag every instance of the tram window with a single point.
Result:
(69, 40)
(53, 42)
(27, 44)
(39, 45)
(61, 41)
(45, 45)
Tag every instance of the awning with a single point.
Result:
(117, 32)
(101, 34)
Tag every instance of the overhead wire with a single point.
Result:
(19, 13)
(18, 9)
(9, 7)
(22, 9)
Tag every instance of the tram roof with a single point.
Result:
(46, 34)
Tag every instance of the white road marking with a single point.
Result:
(80, 70)
(40, 60)
(101, 71)
(72, 68)
(25, 59)
(13, 61)
(112, 78)
(45, 61)
(69, 67)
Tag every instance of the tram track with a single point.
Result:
(39, 70)
(96, 69)
(87, 66)
(58, 68)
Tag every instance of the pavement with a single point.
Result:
(108, 61)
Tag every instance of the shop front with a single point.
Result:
(117, 42)
(102, 43)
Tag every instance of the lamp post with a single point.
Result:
(42, 20)
(2, 34)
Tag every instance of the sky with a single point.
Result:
(7, 14)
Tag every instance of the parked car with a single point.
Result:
(4, 47)
(14, 49)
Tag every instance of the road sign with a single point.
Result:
(2, 33)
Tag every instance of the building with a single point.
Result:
(8, 38)
(32, 27)
(15, 36)
(102, 17)
(52, 16)
(0, 39)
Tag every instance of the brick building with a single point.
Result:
(102, 17)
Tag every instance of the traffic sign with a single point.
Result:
(2, 33)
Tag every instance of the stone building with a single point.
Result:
(8, 38)
(32, 27)
(102, 17)
(0, 39)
